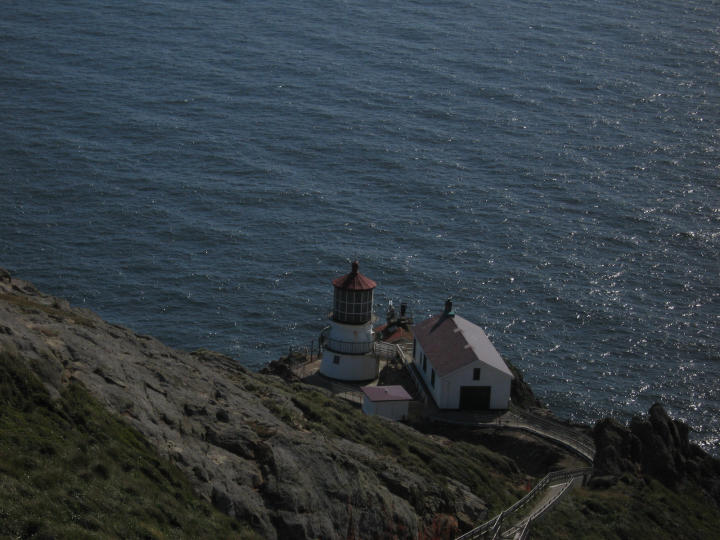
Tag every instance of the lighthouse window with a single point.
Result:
(336, 359)
(352, 307)
(432, 378)
(476, 374)
(424, 364)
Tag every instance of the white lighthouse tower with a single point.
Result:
(348, 343)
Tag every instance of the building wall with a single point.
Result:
(446, 391)
(435, 390)
(395, 410)
(349, 367)
(498, 381)
(368, 407)
(351, 332)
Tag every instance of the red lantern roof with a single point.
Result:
(354, 281)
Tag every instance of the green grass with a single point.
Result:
(28, 305)
(631, 509)
(69, 469)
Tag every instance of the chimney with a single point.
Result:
(449, 308)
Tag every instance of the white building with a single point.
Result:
(348, 344)
(459, 365)
(388, 401)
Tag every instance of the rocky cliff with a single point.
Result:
(289, 460)
(655, 446)
(286, 460)
(648, 481)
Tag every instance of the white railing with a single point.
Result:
(348, 347)
(386, 351)
(583, 445)
(492, 527)
(409, 366)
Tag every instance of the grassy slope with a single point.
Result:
(68, 469)
(489, 475)
(71, 470)
(633, 508)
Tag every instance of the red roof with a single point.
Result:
(397, 334)
(386, 393)
(354, 281)
(451, 342)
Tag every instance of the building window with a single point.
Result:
(424, 364)
(432, 378)
(336, 359)
(476, 374)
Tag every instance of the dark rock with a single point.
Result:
(520, 392)
(655, 446)
(281, 368)
(240, 442)
(218, 359)
(616, 449)
(221, 501)
(602, 482)
(194, 410)
(659, 449)
(200, 473)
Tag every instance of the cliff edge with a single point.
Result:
(287, 459)
(283, 459)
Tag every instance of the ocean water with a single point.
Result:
(201, 171)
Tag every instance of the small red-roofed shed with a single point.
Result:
(388, 401)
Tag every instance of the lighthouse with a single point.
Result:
(348, 342)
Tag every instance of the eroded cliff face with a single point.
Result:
(245, 441)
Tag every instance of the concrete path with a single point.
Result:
(515, 522)
(545, 501)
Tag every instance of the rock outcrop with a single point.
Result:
(239, 436)
(655, 446)
(520, 392)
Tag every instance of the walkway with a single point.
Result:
(546, 427)
(516, 521)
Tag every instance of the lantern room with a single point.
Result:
(353, 297)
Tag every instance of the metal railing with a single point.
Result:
(410, 367)
(580, 443)
(554, 430)
(493, 527)
(348, 347)
(522, 530)
(386, 351)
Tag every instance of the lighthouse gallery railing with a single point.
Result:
(348, 347)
